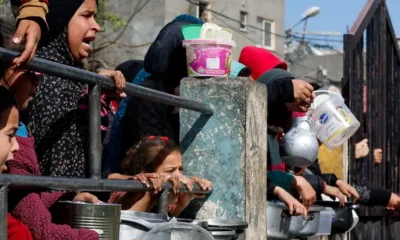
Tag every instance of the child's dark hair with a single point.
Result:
(245, 72)
(147, 155)
(7, 102)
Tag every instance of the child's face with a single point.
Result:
(82, 29)
(22, 84)
(172, 165)
(8, 143)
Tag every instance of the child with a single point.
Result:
(31, 208)
(8, 128)
(56, 120)
(161, 156)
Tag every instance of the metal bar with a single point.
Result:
(95, 132)
(162, 202)
(346, 81)
(384, 93)
(363, 19)
(68, 72)
(82, 184)
(3, 212)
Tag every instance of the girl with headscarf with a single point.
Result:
(165, 63)
(57, 119)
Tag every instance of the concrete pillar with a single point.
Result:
(229, 148)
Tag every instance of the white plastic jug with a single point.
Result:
(334, 122)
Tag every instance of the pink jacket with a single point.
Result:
(32, 208)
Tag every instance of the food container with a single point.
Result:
(138, 224)
(335, 123)
(104, 218)
(208, 57)
(282, 225)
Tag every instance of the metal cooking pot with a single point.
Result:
(343, 217)
(299, 146)
(137, 224)
(282, 225)
(238, 226)
(168, 231)
(222, 233)
(103, 217)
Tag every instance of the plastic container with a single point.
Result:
(208, 57)
(334, 122)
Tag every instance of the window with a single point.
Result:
(267, 34)
(243, 21)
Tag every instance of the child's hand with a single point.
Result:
(32, 31)
(335, 192)
(154, 178)
(306, 191)
(348, 190)
(295, 207)
(119, 79)
(303, 91)
(86, 197)
(362, 149)
(185, 198)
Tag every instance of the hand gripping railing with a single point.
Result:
(96, 83)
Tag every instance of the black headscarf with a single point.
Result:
(60, 13)
(166, 58)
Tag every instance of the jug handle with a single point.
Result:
(310, 121)
(327, 91)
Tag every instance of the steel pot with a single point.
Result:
(238, 226)
(342, 220)
(178, 230)
(299, 146)
(137, 224)
(282, 225)
(222, 233)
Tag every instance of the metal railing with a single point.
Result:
(95, 184)
(372, 64)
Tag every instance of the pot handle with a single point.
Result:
(286, 214)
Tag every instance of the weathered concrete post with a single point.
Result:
(229, 148)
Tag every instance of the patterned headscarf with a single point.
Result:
(54, 119)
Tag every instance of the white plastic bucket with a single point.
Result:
(334, 122)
